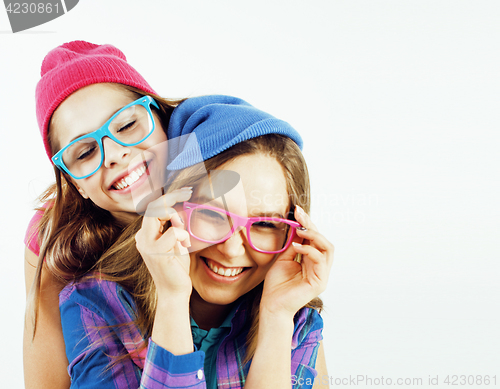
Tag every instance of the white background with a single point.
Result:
(398, 105)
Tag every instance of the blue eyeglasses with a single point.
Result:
(130, 126)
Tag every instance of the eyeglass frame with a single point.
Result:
(103, 131)
(239, 221)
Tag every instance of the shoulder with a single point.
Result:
(107, 299)
(308, 326)
(308, 318)
(31, 236)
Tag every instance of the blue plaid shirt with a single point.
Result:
(96, 317)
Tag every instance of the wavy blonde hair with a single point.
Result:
(123, 264)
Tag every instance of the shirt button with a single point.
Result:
(200, 374)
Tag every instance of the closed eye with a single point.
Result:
(207, 213)
(265, 224)
(87, 153)
(126, 126)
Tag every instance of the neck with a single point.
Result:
(124, 218)
(208, 315)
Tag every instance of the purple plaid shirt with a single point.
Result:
(97, 319)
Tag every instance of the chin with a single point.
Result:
(218, 297)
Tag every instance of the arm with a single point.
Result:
(307, 357)
(322, 379)
(96, 318)
(91, 343)
(288, 286)
(168, 262)
(278, 365)
(271, 364)
(44, 358)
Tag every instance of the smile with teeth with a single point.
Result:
(224, 271)
(131, 178)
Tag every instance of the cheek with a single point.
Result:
(196, 245)
(159, 134)
(264, 262)
(192, 263)
(87, 186)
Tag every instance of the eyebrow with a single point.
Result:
(89, 132)
(203, 200)
(59, 148)
(79, 136)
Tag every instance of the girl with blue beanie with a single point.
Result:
(217, 285)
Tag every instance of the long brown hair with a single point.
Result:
(123, 264)
(73, 232)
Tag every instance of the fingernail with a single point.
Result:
(301, 228)
(187, 188)
(295, 244)
(300, 210)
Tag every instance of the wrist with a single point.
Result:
(272, 324)
(173, 296)
(172, 326)
(278, 312)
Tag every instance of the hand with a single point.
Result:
(165, 253)
(289, 285)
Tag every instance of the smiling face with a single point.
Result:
(127, 174)
(224, 272)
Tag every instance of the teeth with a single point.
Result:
(229, 272)
(131, 178)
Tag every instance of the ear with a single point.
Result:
(81, 191)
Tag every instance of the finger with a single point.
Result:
(150, 231)
(324, 247)
(314, 254)
(162, 207)
(315, 265)
(168, 241)
(176, 220)
(315, 239)
(303, 218)
(289, 254)
(180, 249)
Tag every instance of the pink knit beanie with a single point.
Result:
(74, 65)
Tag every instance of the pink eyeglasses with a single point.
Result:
(268, 235)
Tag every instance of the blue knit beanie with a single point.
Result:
(218, 122)
(203, 127)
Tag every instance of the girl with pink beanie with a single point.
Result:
(85, 87)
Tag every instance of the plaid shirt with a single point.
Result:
(94, 316)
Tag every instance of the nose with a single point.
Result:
(234, 246)
(113, 152)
